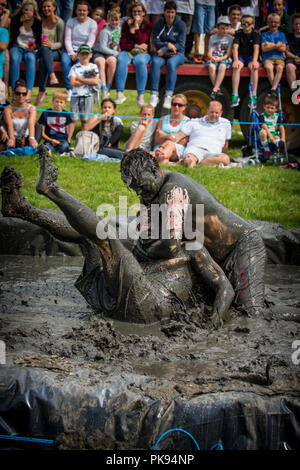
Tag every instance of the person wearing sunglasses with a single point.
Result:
(20, 122)
(245, 52)
(166, 149)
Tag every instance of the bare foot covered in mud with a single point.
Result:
(213, 320)
(48, 171)
(13, 202)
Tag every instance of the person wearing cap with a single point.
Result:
(219, 55)
(83, 75)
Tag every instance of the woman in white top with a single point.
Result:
(80, 29)
(20, 122)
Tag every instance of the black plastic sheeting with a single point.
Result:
(32, 404)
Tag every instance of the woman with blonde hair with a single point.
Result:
(25, 40)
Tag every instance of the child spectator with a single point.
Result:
(106, 51)
(82, 76)
(293, 51)
(56, 126)
(245, 52)
(273, 45)
(285, 20)
(204, 21)
(143, 131)
(108, 127)
(98, 15)
(219, 53)
(272, 131)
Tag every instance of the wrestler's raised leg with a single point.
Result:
(14, 204)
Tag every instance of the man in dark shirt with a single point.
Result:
(245, 51)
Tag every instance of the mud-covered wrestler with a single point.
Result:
(143, 285)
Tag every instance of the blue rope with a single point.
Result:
(176, 429)
(27, 439)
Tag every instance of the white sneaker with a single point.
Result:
(154, 99)
(69, 95)
(120, 100)
(104, 94)
(140, 102)
(167, 102)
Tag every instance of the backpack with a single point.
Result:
(86, 142)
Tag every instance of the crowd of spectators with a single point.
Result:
(96, 40)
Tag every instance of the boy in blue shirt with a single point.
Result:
(273, 46)
(56, 128)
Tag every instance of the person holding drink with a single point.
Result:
(53, 29)
(25, 40)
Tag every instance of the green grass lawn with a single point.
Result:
(261, 192)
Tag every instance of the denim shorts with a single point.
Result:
(82, 104)
(227, 62)
(204, 19)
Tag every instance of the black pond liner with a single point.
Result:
(117, 409)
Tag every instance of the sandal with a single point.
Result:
(40, 99)
(54, 81)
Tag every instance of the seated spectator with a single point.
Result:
(106, 51)
(143, 131)
(135, 48)
(285, 20)
(208, 138)
(25, 40)
(169, 38)
(272, 131)
(234, 16)
(273, 46)
(203, 23)
(80, 29)
(5, 23)
(108, 127)
(293, 52)
(245, 52)
(53, 29)
(56, 128)
(83, 76)
(219, 55)
(20, 122)
(167, 129)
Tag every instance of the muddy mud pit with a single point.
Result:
(54, 341)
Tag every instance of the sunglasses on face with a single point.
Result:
(21, 93)
(178, 104)
(247, 22)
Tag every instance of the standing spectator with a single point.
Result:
(80, 29)
(4, 40)
(219, 55)
(134, 45)
(285, 20)
(204, 22)
(155, 9)
(5, 23)
(293, 51)
(169, 39)
(245, 52)
(273, 46)
(106, 51)
(53, 29)
(64, 9)
(25, 39)
(20, 122)
(82, 76)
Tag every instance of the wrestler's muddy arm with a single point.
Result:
(209, 272)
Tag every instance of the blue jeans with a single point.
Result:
(172, 64)
(17, 54)
(204, 19)
(64, 9)
(140, 62)
(66, 64)
(62, 147)
(46, 58)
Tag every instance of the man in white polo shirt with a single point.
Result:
(208, 138)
